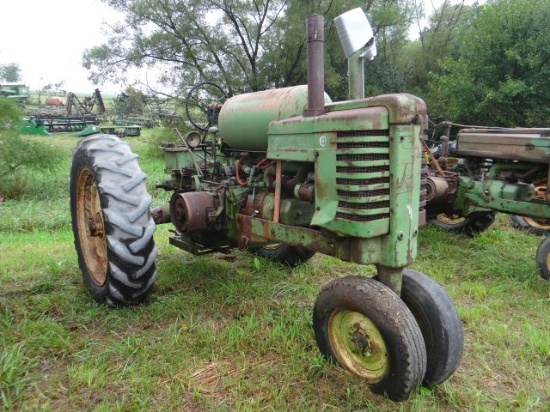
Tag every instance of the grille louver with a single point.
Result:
(363, 175)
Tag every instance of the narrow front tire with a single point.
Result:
(543, 258)
(439, 323)
(364, 327)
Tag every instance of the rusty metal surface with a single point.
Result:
(161, 214)
(441, 189)
(244, 119)
(189, 211)
(315, 39)
(261, 204)
(261, 231)
(529, 147)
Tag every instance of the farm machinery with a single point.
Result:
(16, 92)
(76, 116)
(487, 170)
(283, 174)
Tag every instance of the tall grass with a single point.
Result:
(233, 333)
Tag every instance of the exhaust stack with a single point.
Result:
(315, 65)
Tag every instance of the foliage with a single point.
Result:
(193, 40)
(20, 157)
(231, 332)
(9, 114)
(130, 102)
(10, 72)
(240, 45)
(440, 39)
(501, 74)
(473, 64)
(55, 88)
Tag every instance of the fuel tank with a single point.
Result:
(244, 119)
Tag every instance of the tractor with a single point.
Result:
(486, 170)
(286, 173)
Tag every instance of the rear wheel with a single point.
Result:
(364, 327)
(543, 258)
(285, 254)
(469, 225)
(536, 226)
(111, 222)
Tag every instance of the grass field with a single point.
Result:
(231, 333)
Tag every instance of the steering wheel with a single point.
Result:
(202, 104)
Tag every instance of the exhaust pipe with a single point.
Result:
(315, 65)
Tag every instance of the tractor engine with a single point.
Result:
(270, 171)
(289, 166)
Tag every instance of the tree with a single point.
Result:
(501, 75)
(10, 72)
(439, 40)
(130, 102)
(192, 40)
(240, 45)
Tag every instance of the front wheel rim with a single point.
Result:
(91, 227)
(358, 345)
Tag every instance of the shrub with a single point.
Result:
(20, 157)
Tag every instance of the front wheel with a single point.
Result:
(438, 319)
(543, 258)
(112, 226)
(364, 327)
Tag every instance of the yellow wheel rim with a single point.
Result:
(91, 227)
(358, 345)
(449, 219)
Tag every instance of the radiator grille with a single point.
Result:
(363, 175)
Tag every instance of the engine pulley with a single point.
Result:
(189, 211)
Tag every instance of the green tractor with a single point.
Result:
(486, 170)
(284, 174)
(16, 92)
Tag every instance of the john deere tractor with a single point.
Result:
(284, 174)
(486, 170)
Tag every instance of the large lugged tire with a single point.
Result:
(539, 227)
(111, 222)
(439, 322)
(285, 254)
(543, 258)
(364, 327)
(470, 225)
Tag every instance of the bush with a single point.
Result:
(160, 136)
(20, 158)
